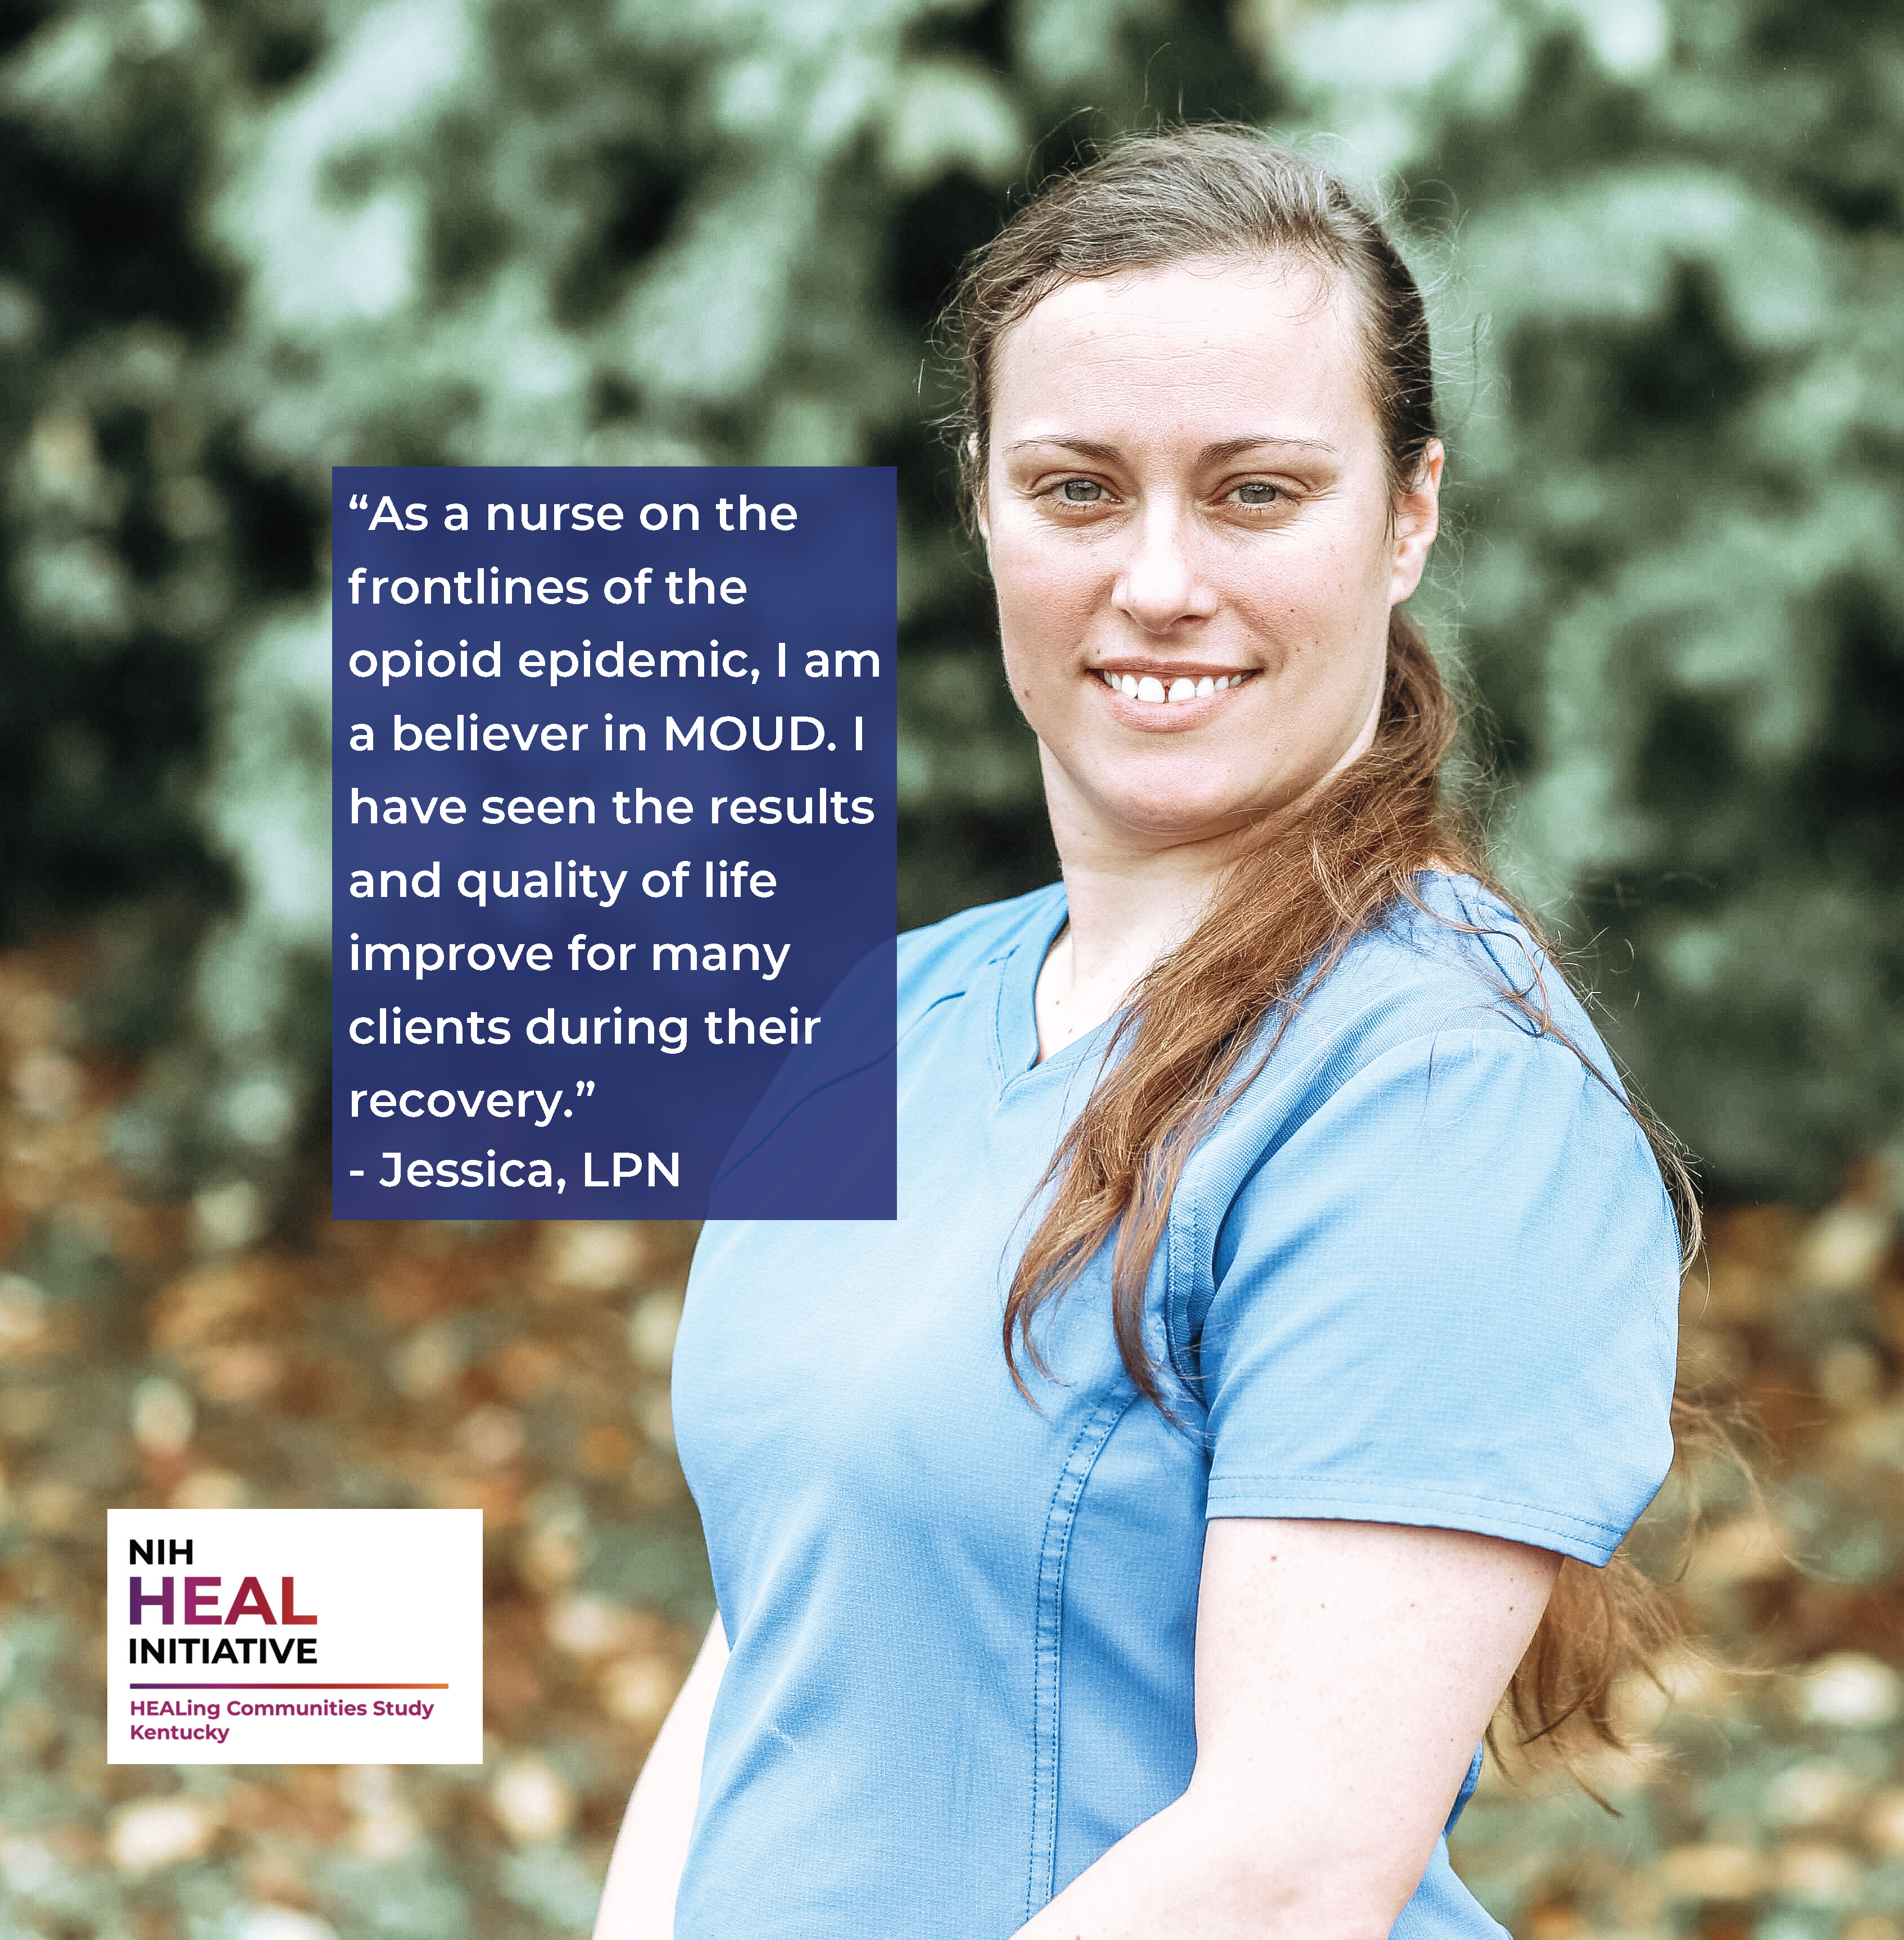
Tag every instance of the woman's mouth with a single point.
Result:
(1180, 689)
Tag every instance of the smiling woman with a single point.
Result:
(1142, 545)
(1134, 536)
(1136, 1536)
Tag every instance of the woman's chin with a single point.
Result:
(1168, 791)
(1173, 821)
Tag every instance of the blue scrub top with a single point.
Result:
(1423, 1271)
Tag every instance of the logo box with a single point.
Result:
(294, 1636)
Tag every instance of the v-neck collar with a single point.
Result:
(1015, 1028)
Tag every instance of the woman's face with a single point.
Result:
(1194, 544)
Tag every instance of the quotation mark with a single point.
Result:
(585, 1087)
(360, 502)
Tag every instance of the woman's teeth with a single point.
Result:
(1149, 688)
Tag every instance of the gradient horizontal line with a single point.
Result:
(288, 1687)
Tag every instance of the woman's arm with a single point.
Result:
(1345, 1672)
(645, 1871)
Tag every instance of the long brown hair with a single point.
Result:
(1298, 895)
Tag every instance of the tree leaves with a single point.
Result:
(245, 243)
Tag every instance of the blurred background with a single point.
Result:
(243, 240)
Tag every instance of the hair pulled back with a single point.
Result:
(1158, 199)
(1297, 895)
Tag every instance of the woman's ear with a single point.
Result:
(974, 471)
(1418, 518)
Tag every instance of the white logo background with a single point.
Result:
(398, 1595)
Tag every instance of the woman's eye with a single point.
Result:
(1257, 491)
(1081, 491)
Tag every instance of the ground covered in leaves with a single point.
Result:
(188, 1355)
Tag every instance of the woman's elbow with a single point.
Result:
(1254, 1879)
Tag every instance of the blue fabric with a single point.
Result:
(1423, 1271)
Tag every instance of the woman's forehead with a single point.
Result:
(1207, 333)
(1306, 281)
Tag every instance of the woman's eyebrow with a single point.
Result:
(1235, 447)
(1211, 454)
(1085, 447)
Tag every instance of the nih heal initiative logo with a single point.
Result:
(294, 1636)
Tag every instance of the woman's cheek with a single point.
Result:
(1032, 681)
(1041, 631)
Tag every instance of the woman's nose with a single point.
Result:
(1160, 584)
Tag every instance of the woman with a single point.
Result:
(1335, 1278)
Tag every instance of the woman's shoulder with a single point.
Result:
(1444, 1061)
(1455, 959)
(941, 959)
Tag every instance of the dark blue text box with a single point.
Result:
(614, 821)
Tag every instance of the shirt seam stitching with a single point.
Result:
(1054, 1552)
(1379, 1492)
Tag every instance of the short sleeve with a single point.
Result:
(1449, 1299)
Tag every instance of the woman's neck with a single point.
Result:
(1130, 902)
(1134, 895)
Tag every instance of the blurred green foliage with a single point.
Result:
(244, 240)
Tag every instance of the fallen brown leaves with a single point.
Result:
(178, 1355)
